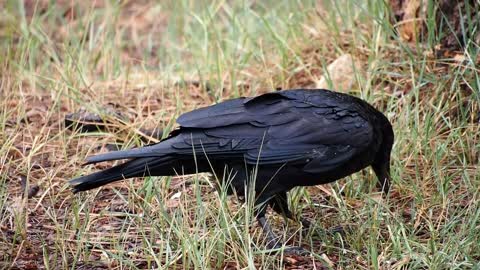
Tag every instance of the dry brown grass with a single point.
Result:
(136, 56)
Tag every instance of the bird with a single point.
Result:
(269, 143)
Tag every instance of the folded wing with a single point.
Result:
(277, 128)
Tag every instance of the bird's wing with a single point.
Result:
(275, 128)
(236, 111)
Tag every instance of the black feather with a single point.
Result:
(290, 138)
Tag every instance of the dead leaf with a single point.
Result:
(412, 21)
(341, 73)
(327, 260)
(459, 58)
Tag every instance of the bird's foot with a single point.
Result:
(306, 224)
(295, 251)
(287, 250)
(337, 230)
(274, 243)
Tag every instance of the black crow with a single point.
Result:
(288, 138)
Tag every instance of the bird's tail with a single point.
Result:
(154, 150)
(138, 167)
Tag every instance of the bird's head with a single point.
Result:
(381, 164)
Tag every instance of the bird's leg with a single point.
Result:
(279, 204)
(273, 241)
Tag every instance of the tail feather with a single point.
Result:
(133, 168)
(156, 150)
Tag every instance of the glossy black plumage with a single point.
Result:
(293, 138)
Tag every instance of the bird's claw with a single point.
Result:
(295, 251)
(306, 224)
(337, 229)
(288, 250)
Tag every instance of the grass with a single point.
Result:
(141, 58)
